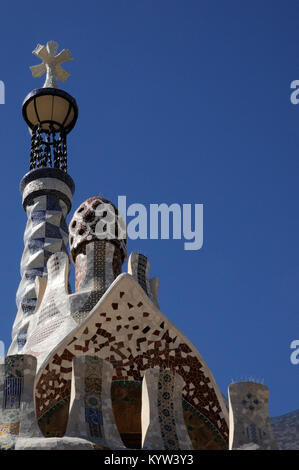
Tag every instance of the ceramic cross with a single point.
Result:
(51, 64)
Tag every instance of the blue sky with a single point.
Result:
(179, 102)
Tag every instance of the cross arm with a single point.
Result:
(38, 70)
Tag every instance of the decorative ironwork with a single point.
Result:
(48, 148)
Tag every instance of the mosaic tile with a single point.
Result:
(91, 416)
(45, 233)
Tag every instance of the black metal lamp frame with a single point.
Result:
(48, 137)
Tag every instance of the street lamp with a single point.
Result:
(49, 112)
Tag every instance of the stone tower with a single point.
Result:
(47, 189)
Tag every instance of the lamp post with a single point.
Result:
(49, 112)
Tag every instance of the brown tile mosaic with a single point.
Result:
(143, 350)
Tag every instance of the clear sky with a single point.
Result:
(179, 102)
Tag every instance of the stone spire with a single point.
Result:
(46, 189)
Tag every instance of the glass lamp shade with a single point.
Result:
(50, 107)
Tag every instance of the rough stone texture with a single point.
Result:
(286, 430)
(162, 420)
(91, 416)
(17, 414)
(47, 197)
(155, 286)
(56, 443)
(250, 446)
(249, 421)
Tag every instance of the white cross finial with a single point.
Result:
(51, 64)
